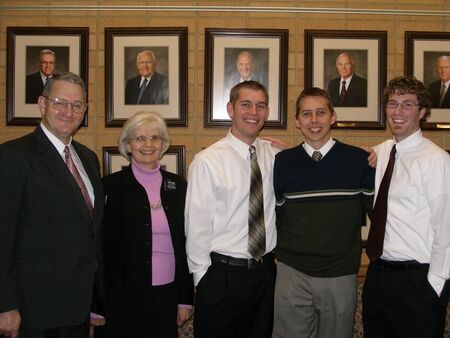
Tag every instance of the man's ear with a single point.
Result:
(230, 110)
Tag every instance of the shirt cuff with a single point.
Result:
(186, 306)
(436, 282)
(96, 316)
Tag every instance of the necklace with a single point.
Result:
(156, 205)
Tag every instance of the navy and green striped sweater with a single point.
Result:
(320, 207)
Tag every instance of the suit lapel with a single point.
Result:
(58, 168)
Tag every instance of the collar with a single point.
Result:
(323, 150)
(347, 80)
(54, 140)
(241, 147)
(409, 142)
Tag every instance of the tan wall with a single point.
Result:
(195, 136)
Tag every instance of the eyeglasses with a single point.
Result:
(141, 139)
(246, 105)
(406, 105)
(78, 107)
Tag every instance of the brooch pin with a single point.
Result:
(170, 185)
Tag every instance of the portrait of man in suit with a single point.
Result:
(348, 89)
(245, 65)
(35, 82)
(438, 90)
(51, 206)
(150, 86)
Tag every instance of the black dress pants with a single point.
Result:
(235, 301)
(76, 331)
(398, 301)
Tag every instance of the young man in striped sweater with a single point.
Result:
(323, 189)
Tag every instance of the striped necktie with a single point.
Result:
(76, 175)
(256, 227)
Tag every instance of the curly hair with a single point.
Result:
(402, 85)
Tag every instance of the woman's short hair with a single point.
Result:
(139, 119)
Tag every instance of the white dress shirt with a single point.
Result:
(60, 148)
(324, 150)
(217, 201)
(418, 218)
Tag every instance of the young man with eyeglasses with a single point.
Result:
(233, 271)
(51, 206)
(406, 291)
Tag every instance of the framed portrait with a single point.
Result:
(425, 54)
(359, 59)
(173, 160)
(146, 69)
(34, 54)
(236, 55)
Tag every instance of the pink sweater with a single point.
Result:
(163, 258)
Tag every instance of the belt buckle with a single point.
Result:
(253, 263)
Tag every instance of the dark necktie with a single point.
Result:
(442, 94)
(375, 240)
(141, 90)
(76, 175)
(343, 93)
(256, 227)
(316, 156)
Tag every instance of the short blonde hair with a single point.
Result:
(137, 120)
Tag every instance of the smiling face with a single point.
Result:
(248, 114)
(443, 69)
(148, 152)
(146, 64)
(63, 122)
(244, 65)
(404, 122)
(47, 64)
(315, 119)
(344, 65)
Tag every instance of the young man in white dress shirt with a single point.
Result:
(406, 290)
(234, 291)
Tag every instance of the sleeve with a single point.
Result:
(186, 288)
(199, 211)
(438, 190)
(13, 185)
(111, 236)
(368, 186)
(277, 185)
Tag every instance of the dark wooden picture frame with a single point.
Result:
(268, 50)
(366, 47)
(174, 160)
(23, 47)
(421, 52)
(169, 45)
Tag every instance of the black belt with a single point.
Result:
(399, 265)
(249, 263)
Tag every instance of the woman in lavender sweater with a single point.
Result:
(148, 286)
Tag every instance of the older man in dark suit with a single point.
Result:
(149, 87)
(35, 82)
(51, 205)
(349, 89)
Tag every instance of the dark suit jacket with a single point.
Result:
(49, 252)
(356, 93)
(128, 245)
(434, 89)
(34, 87)
(156, 92)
